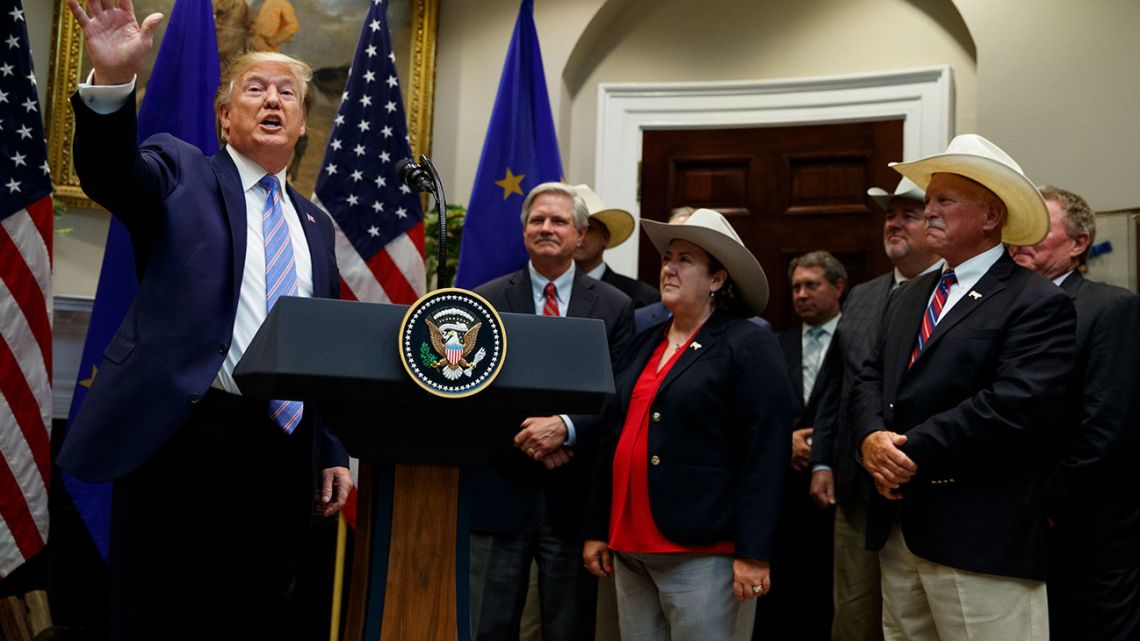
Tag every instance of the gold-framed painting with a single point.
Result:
(324, 33)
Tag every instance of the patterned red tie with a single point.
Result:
(930, 318)
(551, 306)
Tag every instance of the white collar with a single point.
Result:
(250, 172)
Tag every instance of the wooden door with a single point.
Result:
(786, 191)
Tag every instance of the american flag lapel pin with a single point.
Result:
(974, 294)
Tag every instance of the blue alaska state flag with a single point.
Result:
(519, 152)
(178, 100)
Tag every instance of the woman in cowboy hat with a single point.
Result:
(687, 489)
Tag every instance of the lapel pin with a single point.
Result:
(310, 217)
(695, 346)
(975, 295)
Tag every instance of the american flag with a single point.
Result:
(25, 301)
(380, 231)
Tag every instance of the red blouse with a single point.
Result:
(632, 528)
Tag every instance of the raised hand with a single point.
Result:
(115, 41)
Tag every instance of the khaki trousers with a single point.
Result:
(857, 586)
(926, 601)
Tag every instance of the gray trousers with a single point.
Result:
(679, 597)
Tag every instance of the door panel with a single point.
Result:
(786, 191)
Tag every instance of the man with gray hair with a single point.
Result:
(1094, 582)
(529, 500)
(954, 412)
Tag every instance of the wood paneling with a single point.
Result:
(786, 190)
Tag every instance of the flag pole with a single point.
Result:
(338, 577)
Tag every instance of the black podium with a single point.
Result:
(409, 576)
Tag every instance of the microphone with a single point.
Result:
(415, 176)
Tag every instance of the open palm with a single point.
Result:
(115, 41)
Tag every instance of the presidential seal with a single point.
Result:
(452, 343)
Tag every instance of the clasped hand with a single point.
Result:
(543, 438)
(888, 465)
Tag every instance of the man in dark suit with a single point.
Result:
(954, 412)
(528, 502)
(837, 478)
(212, 491)
(799, 606)
(1094, 584)
(609, 228)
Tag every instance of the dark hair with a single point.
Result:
(727, 299)
(833, 270)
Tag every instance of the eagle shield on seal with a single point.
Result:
(446, 342)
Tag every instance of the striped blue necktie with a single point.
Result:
(280, 280)
(933, 311)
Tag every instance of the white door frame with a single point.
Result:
(923, 98)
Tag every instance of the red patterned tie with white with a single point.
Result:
(551, 306)
(930, 318)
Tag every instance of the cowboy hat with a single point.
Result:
(905, 189)
(974, 157)
(618, 221)
(710, 231)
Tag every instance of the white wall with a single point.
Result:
(680, 40)
(1058, 89)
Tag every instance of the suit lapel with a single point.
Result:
(644, 349)
(916, 297)
(583, 297)
(796, 367)
(707, 338)
(235, 211)
(317, 255)
(992, 282)
(1073, 284)
(821, 376)
(519, 293)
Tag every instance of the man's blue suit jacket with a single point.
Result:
(186, 215)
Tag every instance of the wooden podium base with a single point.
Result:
(405, 582)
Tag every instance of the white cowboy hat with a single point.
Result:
(905, 189)
(618, 221)
(970, 155)
(710, 231)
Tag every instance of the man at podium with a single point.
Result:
(213, 491)
(528, 501)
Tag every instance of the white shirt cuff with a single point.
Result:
(820, 466)
(104, 99)
(571, 435)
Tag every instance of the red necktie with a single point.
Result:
(930, 318)
(551, 306)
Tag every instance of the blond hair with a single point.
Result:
(302, 73)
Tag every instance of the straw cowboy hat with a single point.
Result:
(710, 231)
(905, 189)
(970, 155)
(618, 221)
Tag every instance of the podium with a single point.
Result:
(410, 571)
